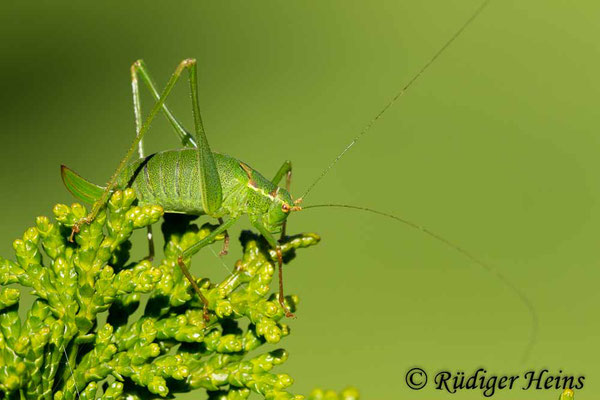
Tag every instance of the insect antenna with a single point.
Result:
(487, 267)
(71, 370)
(403, 90)
(222, 262)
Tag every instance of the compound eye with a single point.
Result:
(285, 208)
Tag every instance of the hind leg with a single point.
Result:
(140, 71)
(158, 106)
(137, 111)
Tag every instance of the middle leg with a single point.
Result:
(193, 249)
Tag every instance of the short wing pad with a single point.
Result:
(209, 179)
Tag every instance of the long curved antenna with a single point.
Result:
(71, 370)
(398, 95)
(489, 268)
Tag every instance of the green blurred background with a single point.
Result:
(495, 147)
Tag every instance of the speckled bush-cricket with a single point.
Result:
(197, 181)
(193, 180)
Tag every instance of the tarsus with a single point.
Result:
(489, 268)
(398, 95)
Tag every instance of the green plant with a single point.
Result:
(567, 394)
(81, 339)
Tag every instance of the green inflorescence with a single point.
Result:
(79, 339)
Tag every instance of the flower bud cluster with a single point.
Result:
(63, 349)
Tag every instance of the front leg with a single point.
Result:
(284, 170)
(275, 245)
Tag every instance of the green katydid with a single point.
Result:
(194, 180)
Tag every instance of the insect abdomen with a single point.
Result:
(169, 178)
